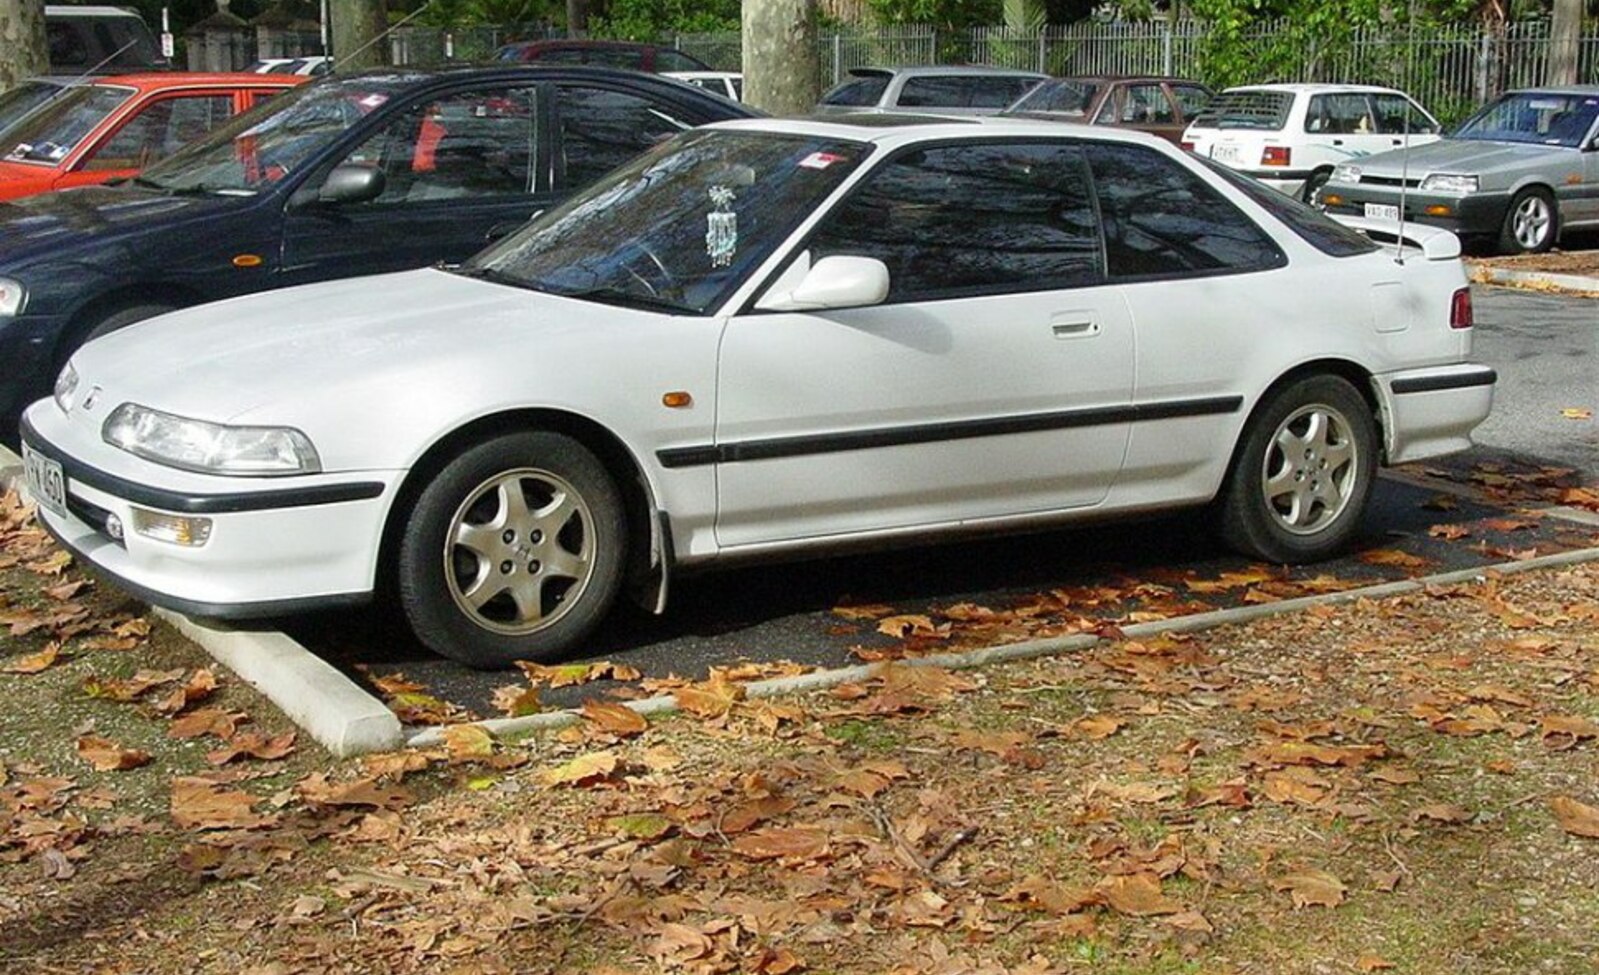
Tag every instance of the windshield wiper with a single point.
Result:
(629, 299)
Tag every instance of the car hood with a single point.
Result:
(51, 224)
(1468, 156)
(358, 354)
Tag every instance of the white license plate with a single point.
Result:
(1231, 155)
(46, 483)
(1382, 211)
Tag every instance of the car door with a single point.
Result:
(992, 382)
(459, 168)
(153, 130)
(1148, 109)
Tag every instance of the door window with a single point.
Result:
(1347, 114)
(601, 129)
(1163, 221)
(1391, 110)
(158, 130)
(1147, 105)
(461, 146)
(972, 219)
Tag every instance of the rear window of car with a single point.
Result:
(1314, 227)
(963, 91)
(860, 91)
(1246, 110)
(1064, 97)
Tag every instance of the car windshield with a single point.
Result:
(266, 144)
(1548, 119)
(1063, 97)
(678, 229)
(19, 101)
(1246, 110)
(50, 134)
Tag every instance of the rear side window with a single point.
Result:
(1266, 110)
(998, 92)
(1391, 112)
(1161, 220)
(969, 91)
(973, 219)
(861, 92)
(1343, 114)
(1314, 227)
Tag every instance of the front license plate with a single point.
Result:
(1231, 155)
(46, 482)
(1382, 211)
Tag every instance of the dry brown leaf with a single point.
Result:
(910, 625)
(1313, 888)
(318, 791)
(1441, 812)
(206, 721)
(709, 699)
(200, 685)
(861, 613)
(107, 756)
(199, 803)
(253, 745)
(1137, 895)
(1097, 726)
(1393, 557)
(615, 719)
(1369, 962)
(780, 842)
(517, 701)
(468, 742)
(585, 770)
(35, 663)
(1575, 817)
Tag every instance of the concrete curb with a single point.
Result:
(330, 707)
(1031, 649)
(1577, 284)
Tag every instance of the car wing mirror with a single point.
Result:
(840, 281)
(352, 183)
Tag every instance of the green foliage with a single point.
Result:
(943, 14)
(649, 20)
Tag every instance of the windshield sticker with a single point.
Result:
(820, 160)
(721, 228)
(373, 100)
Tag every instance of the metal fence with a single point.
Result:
(1450, 68)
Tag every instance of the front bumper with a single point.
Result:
(1475, 215)
(1431, 412)
(277, 546)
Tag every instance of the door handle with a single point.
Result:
(1075, 330)
(1338, 142)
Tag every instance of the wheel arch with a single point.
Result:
(1352, 372)
(91, 312)
(649, 543)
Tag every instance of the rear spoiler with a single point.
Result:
(1435, 243)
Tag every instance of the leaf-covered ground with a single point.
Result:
(1408, 785)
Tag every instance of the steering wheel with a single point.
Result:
(663, 278)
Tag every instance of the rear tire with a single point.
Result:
(514, 551)
(1303, 473)
(1531, 224)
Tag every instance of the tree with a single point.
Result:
(781, 64)
(1566, 39)
(356, 26)
(23, 50)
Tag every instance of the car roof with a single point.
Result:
(77, 10)
(1556, 90)
(1309, 88)
(892, 130)
(1130, 78)
(585, 42)
(165, 80)
(945, 69)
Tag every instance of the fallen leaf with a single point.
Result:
(1137, 895)
(1393, 557)
(1577, 413)
(107, 756)
(910, 625)
(615, 719)
(1441, 812)
(517, 701)
(1097, 726)
(199, 803)
(585, 770)
(1373, 963)
(253, 746)
(35, 663)
(787, 843)
(1576, 818)
(206, 721)
(468, 742)
(1313, 888)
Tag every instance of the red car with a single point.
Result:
(116, 126)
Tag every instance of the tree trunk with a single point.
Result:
(356, 25)
(23, 51)
(577, 17)
(1565, 33)
(781, 62)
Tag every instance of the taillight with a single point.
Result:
(1276, 156)
(1186, 146)
(1460, 309)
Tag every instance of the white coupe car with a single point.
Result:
(762, 338)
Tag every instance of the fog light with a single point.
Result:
(172, 529)
(113, 527)
(1437, 210)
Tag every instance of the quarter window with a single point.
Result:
(471, 144)
(972, 219)
(1161, 220)
(602, 129)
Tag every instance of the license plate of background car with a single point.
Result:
(1227, 154)
(46, 482)
(1382, 211)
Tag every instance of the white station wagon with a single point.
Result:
(1292, 136)
(764, 338)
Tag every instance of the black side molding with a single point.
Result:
(992, 426)
(1432, 384)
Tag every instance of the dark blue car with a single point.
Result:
(351, 175)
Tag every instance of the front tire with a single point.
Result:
(1303, 473)
(514, 551)
(1531, 224)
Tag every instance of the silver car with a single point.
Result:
(930, 90)
(1517, 173)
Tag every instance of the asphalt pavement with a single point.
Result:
(1543, 347)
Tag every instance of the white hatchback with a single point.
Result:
(1291, 137)
(765, 338)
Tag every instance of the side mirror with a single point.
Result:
(352, 183)
(840, 281)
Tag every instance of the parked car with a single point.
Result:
(17, 102)
(1159, 106)
(314, 66)
(1290, 137)
(344, 176)
(1517, 174)
(939, 89)
(610, 54)
(764, 338)
(114, 127)
(728, 84)
(87, 39)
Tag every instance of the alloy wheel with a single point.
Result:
(1310, 470)
(1530, 223)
